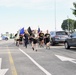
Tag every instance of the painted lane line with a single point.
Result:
(0, 62)
(40, 67)
(13, 69)
(3, 71)
(63, 58)
(73, 62)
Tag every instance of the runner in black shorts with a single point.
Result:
(35, 42)
(41, 39)
(47, 40)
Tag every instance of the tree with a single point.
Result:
(75, 24)
(74, 10)
(64, 25)
(68, 25)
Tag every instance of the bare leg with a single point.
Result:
(32, 45)
(36, 46)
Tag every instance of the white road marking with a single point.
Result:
(0, 62)
(63, 58)
(40, 67)
(2, 71)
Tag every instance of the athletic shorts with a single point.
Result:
(35, 41)
(40, 39)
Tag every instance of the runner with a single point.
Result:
(35, 41)
(26, 34)
(41, 39)
(47, 40)
(16, 38)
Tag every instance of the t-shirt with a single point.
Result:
(41, 34)
(47, 35)
(47, 38)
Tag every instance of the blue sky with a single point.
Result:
(15, 14)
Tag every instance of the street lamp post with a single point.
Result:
(55, 13)
(73, 26)
(68, 24)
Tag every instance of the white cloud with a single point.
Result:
(39, 4)
(22, 3)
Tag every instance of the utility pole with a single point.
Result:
(73, 26)
(55, 13)
(68, 24)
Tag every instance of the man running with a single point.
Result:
(41, 39)
(47, 40)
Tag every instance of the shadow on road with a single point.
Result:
(72, 49)
(58, 45)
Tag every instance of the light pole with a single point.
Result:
(68, 24)
(55, 13)
(73, 26)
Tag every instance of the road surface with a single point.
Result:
(21, 61)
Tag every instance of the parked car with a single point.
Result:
(4, 38)
(70, 41)
(58, 37)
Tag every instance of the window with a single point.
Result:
(52, 33)
(61, 33)
(74, 34)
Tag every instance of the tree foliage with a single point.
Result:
(75, 24)
(68, 25)
(74, 10)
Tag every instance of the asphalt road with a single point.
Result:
(21, 61)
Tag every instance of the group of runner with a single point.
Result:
(35, 39)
